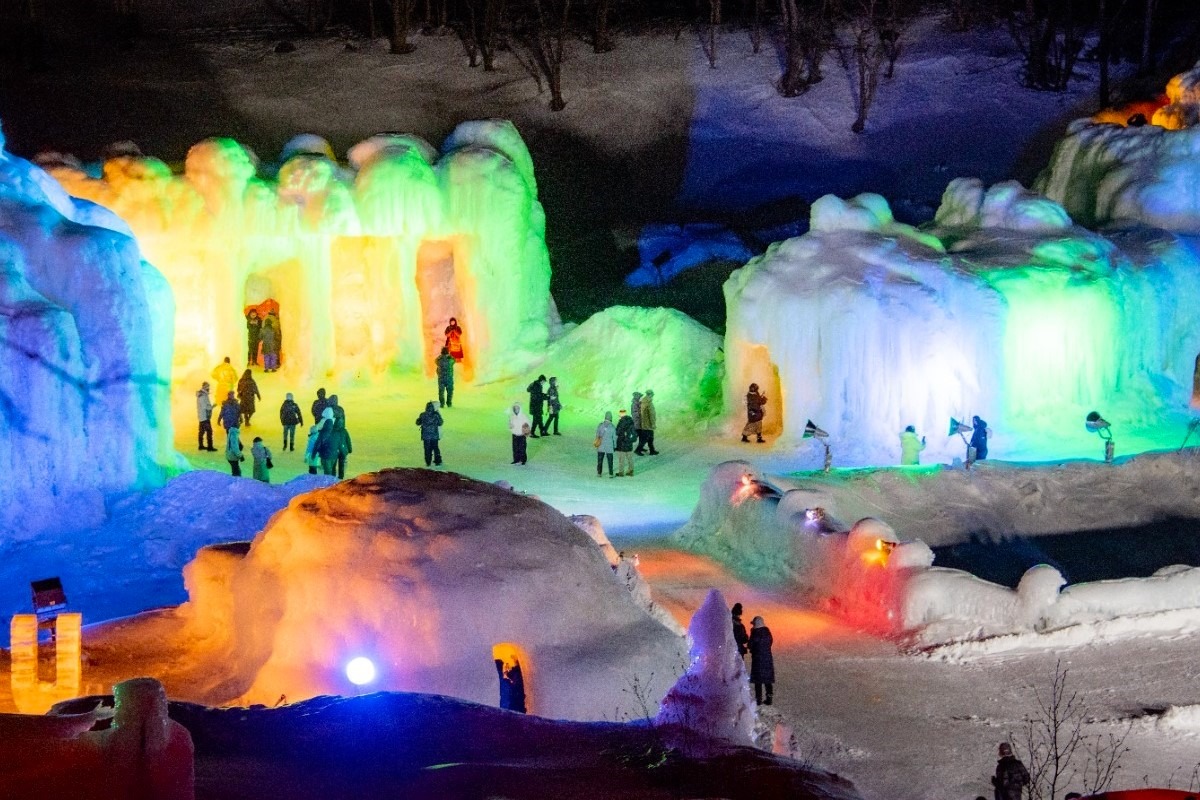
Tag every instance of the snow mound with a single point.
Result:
(425, 573)
(712, 698)
(866, 213)
(87, 358)
(1008, 205)
(626, 349)
(668, 250)
(1104, 173)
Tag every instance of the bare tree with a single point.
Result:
(482, 31)
(873, 30)
(1145, 64)
(541, 28)
(1048, 34)
(807, 36)
(602, 41)
(756, 36)
(714, 26)
(401, 18)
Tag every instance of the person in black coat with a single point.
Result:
(762, 664)
(739, 631)
(253, 335)
(430, 422)
(1011, 777)
(537, 400)
(319, 405)
(979, 437)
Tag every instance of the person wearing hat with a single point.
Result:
(762, 663)
(1011, 777)
(204, 410)
(626, 436)
(754, 414)
(740, 637)
(649, 419)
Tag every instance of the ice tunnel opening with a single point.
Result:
(437, 279)
(512, 671)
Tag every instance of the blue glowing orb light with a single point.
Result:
(360, 671)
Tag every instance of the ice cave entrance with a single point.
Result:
(512, 671)
(267, 293)
(441, 300)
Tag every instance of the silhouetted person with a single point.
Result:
(1011, 777)
(755, 403)
(290, 417)
(740, 637)
(762, 662)
(454, 340)
(979, 438)
(319, 405)
(553, 405)
(537, 400)
(430, 422)
(253, 335)
(445, 378)
(247, 395)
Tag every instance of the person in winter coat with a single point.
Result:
(649, 420)
(626, 435)
(431, 423)
(345, 447)
(635, 411)
(226, 377)
(204, 411)
(270, 343)
(338, 411)
(553, 405)
(754, 414)
(537, 400)
(740, 637)
(262, 460)
(253, 335)
(319, 405)
(520, 427)
(233, 451)
(454, 340)
(1011, 777)
(289, 418)
(247, 393)
(911, 447)
(231, 413)
(762, 663)
(979, 438)
(312, 456)
(326, 448)
(606, 443)
(445, 377)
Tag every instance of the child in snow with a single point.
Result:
(262, 460)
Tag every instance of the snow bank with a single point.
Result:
(711, 700)
(425, 573)
(85, 365)
(668, 250)
(367, 267)
(1005, 309)
(626, 349)
(1103, 172)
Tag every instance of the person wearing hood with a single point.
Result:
(262, 460)
(553, 405)
(319, 405)
(626, 435)
(649, 420)
(247, 395)
(762, 663)
(270, 339)
(755, 403)
(233, 451)
(344, 447)
(445, 378)
(231, 413)
(454, 340)
(519, 426)
(290, 416)
(606, 443)
(1011, 776)
(312, 454)
(911, 447)
(979, 438)
(204, 411)
(537, 401)
(226, 377)
(326, 448)
(740, 637)
(431, 423)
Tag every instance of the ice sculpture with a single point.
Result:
(84, 324)
(366, 267)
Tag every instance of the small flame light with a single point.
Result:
(360, 671)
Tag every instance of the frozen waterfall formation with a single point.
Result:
(433, 577)
(1004, 309)
(367, 265)
(85, 327)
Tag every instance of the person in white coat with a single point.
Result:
(204, 412)
(519, 425)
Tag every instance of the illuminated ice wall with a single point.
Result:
(1004, 309)
(367, 264)
(85, 351)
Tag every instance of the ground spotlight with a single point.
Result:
(1099, 425)
(360, 671)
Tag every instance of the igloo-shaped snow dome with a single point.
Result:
(433, 577)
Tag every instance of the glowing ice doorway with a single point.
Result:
(512, 671)
(275, 291)
(441, 301)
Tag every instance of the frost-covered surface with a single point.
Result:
(367, 265)
(1109, 173)
(86, 357)
(1004, 309)
(668, 250)
(711, 699)
(425, 573)
(626, 349)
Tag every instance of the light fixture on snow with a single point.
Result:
(812, 431)
(962, 429)
(360, 671)
(1099, 425)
